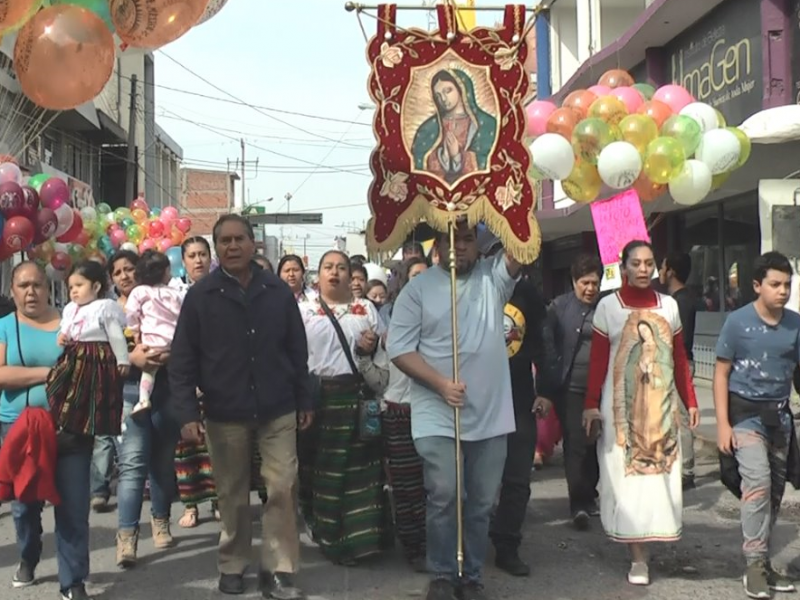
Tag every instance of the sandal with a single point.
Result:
(189, 518)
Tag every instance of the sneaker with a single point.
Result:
(594, 509)
(127, 544)
(472, 591)
(639, 574)
(24, 576)
(510, 562)
(99, 504)
(778, 582)
(441, 589)
(162, 537)
(279, 586)
(77, 592)
(580, 520)
(755, 580)
(231, 584)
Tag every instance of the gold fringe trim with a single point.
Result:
(481, 210)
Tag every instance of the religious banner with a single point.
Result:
(450, 130)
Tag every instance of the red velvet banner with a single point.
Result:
(450, 129)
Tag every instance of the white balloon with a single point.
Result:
(130, 247)
(9, 172)
(214, 6)
(65, 218)
(693, 184)
(619, 165)
(704, 114)
(553, 156)
(720, 150)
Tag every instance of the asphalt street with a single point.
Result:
(568, 565)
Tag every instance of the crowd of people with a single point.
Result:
(335, 403)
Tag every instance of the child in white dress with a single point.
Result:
(152, 310)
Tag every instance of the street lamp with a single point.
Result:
(366, 106)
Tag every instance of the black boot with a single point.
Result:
(509, 561)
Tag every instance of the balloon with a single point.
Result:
(74, 231)
(140, 204)
(135, 234)
(147, 244)
(66, 217)
(184, 224)
(717, 181)
(692, 184)
(589, 138)
(177, 237)
(615, 78)
(629, 97)
(61, 261)
(583, 184)
(552, 156)
(98, 7)
(11, 199)
(214, 6)
(118, 238)
(76, 252)
(54, 274)
(85, 51)
(155, 213)
(721, 122)
(139, 215)
(163, 21)
(175, 257)
(704, 114)
(562, 122)
(129, 247)
(610, 109)
(36, 181)
(179, 272)
(13, 13)
(54, 193)
(638, 130)
(89, 214)
(645, 89)
(121, 213)
(684, 129)
(103, 208)
(164, 244)
(674, 96)
(658, 111)
(18, 234)
(45, 224)
(10, 172)
(537, 113)
(600, 90)
(82, 239)
(30, 202)
(664, 159)
(127, 222)
(170, 213)
(619, 165)
(744, 142)
(647, 190)
(155, 229)
(580, 101)
(720, 150)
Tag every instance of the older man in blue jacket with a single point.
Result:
(240, 341)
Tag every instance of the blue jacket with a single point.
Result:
(244, 349)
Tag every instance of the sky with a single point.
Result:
(304, 56)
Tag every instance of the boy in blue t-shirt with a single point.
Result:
(757, 352)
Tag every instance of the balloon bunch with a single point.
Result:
(623, 134)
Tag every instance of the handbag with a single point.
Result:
(369, 407)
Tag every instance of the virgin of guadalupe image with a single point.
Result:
(652, 444)
(459, 138)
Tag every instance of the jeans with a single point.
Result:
(483, 471)
(105, 448)
(580, 458)
(762, 454)
(71, 516)
(147, 448)
(687, 438)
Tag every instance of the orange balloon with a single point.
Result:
(580, 101)
(615, 78)
(154, 23)
(562, 121)
(64, 56)
(656, 110)
(13, 13)
(647, 190)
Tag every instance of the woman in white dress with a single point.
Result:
(638, 373)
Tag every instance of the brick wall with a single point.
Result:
(205, 196)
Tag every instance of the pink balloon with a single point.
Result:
(45, 225)
(184, 224)
(164, 244)
(631, 98)
(117, 237)
(12, 199)
(674, 96)
(169, 213)
(600, 90)
(147, 244)
(538, 112)
(54, 193)
(30, 203)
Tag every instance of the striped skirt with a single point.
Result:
(404, 468)
(341, 479)
(84, 390)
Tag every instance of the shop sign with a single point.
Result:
(718, 59)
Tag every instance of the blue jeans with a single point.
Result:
(72, 520)
(105, 448)
(483, 472)
(147, 448)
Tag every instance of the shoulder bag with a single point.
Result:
(369, 407)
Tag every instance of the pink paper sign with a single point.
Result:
(617, 221)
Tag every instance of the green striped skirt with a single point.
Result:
(342, 479)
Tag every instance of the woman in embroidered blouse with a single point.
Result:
(638, 373)
(341, 472)
(292, 270)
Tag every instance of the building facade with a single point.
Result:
(205, 196)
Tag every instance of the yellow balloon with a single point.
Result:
(638, 130)
(584, 183)
(664, 159)
(721, 122)
(608, 108)
(744, 142)
(589, 138)
(139, 216)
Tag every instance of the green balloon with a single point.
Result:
(589, 138)
(645, 89)
(36, 181)
(664, 159)
(684, 129)
(98, 7)
(102, 208)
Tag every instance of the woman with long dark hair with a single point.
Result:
(292, 270)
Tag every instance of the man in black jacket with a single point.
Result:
(241, 342)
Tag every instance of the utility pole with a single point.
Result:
(243, 160)
(244, 164)
(131, 172)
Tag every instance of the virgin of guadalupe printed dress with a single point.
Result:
(639, 372)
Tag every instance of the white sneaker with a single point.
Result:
(639, 574)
